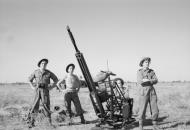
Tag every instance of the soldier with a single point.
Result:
(125, 90)
(146, 78)
(127, 101)
(71, 92)
(42, 77)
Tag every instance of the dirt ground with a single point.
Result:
(173, 102)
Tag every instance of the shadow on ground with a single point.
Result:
(174, 124)
(78, 123)
(147, 122)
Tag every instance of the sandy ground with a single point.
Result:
(173, 102)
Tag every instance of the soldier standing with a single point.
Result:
(71, 92)
(42, 77)
(146, 78)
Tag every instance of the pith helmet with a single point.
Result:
(69, 66)
(46, 60)
(143, 59)
(116, 79)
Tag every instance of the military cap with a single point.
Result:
(116, 79)
(46, 60)
(143, 59)
(69, 66)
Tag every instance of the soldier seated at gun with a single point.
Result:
(101, 87)
(122, 93)
(120, 96)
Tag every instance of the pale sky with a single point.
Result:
(120, 31)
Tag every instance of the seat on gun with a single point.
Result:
(100, 77)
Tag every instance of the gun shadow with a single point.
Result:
(78, 123)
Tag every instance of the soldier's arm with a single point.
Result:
(139, 77)
(55, 80)
(60, 82)
(30, 80)
(154, 78)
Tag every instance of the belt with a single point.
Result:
(71, 91)
(42, 85)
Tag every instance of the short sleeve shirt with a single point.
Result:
(43, 77)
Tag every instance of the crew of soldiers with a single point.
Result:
(146, 78)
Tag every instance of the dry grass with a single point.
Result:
(174, 105)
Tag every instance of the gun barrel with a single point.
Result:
(72, 39)
(98, 107)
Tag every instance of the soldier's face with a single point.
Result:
(146, 64)
(43, 65)
(119, 83)
(71, 69)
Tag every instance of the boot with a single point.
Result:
(83, 121)
(140, 125)
(31, 125)
(49, 120)
(155, 125)
(70, 121)
(31, 121)
(51, 125)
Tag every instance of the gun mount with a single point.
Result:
(107, 106)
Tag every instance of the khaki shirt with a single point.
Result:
(146, 74)
(42, 77)
(146, 88)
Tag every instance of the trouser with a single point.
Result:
(148, 96)
(127, 108)
(72, 96)
(43, 96)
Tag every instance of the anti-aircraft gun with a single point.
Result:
(107, 106)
